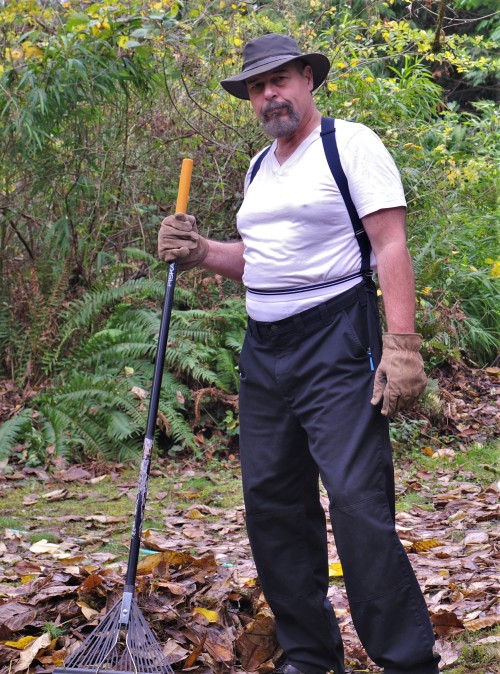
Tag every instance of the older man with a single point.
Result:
(323, 207)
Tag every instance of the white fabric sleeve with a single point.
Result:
(373, 178)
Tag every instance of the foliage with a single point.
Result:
(99, 103)
(96, 404)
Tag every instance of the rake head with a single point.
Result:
(113, 649)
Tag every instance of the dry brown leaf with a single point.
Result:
(29, 654)
(446, 623)
(482, 623)
(13, 617)
(257, 643)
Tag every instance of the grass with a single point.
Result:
(214, 484)
(477, 659)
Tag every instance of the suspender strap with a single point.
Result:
(258, 162)
(332, 156)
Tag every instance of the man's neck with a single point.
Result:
(286, 145)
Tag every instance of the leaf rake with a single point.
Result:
(123, 641)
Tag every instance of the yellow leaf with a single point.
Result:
(122, 41)
(335, 570)
(238, 41)
(331, 86)
(195, 514)
(21, 643)
(211, 616)
(422, 546)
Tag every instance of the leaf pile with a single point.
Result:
(197, 586)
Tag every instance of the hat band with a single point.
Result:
(256, 63)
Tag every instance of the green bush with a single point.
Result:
(98, 105)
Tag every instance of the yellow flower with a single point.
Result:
(32, 50)
(341, 64)
(369, 79)
(238, 41)
(331, 86)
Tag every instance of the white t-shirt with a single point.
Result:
(295, 227)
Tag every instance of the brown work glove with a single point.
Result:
(400, 376)
(178, 239)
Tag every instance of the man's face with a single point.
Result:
(280, 97)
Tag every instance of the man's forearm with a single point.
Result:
(397, 284)
(225, 259)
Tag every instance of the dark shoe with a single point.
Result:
(287, 669)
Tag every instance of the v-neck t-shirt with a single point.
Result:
(299, 244)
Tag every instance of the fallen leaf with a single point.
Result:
(257, 643)
(482, 623)
(14, 616)
(30, 653)
(446, 623)
(335, 570)
(211, 616)
(21, 643)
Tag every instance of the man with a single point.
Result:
(311, 403)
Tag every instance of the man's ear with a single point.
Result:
(308, 73)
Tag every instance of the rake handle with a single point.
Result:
(181, 205)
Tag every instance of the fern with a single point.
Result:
(13, 430)
(90, 410)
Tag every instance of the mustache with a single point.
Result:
(272, 106)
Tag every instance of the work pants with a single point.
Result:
(305, 413)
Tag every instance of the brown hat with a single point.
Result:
(269, 52)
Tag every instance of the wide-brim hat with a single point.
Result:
(272, 51)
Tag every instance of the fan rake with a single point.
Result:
(122, 641)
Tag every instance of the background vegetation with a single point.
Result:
(99, 102)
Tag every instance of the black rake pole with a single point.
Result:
(122, 641)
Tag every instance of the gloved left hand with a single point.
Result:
(400, 376)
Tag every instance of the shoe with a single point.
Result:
(287, 668)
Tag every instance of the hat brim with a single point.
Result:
(237, 86)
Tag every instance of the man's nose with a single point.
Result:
(269, 91)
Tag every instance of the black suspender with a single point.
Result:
(332, 156)
(258, 162)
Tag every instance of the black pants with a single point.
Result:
(305, 413)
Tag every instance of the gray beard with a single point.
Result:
(277, 127)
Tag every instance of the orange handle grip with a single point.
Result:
(184, 185)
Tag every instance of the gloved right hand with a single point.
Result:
(178, 239)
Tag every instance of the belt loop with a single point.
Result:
(325, 313)
(252, 327)
(298, 323)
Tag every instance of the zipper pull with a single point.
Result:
(372, 367)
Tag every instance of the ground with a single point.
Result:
(66, 531)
